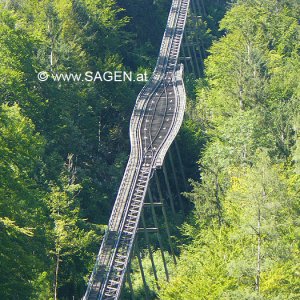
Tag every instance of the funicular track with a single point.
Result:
(155, 122)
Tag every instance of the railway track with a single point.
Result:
(155, 122)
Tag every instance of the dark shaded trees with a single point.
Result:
(88, 119)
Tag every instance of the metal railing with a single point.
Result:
(111, 263)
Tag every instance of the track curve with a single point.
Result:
(154, 124)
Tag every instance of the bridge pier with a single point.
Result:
(150, 251)
(146, 288)
(192, 45)
(129, 280)
(155, 122)
(158, 235)
(170, 196)
(152, 204)
(175, 179)
(181, 166)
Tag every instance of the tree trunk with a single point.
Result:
(218, 202)
(99, 136)
(258, 268)
(257, 281)
(56, 275)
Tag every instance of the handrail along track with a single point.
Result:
(155, 122)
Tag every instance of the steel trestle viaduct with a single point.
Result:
(155, 122)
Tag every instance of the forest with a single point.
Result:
(64, 146)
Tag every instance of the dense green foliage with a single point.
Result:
(243, 240)
(63, 146)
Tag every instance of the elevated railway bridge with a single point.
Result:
(154, 124)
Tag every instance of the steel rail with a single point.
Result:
(118, 239)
